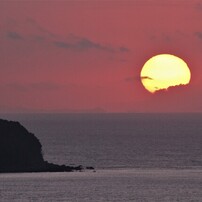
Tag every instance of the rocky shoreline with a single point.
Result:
(21, 151)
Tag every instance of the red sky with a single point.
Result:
(66, 56)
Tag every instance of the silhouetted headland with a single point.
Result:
(21, 151)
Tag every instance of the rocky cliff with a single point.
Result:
(21, 151)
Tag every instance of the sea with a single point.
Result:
(137, 157)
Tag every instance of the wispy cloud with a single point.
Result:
(198, 35)
(39, 86)
(14, 35)
(168, 37)
(37, 33)
(199, 6)
(137, 78)
(146, 77)
(82, 44)
(124, 49)
(40, 28)
(62, 44)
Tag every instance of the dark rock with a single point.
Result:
(21, 151)
(90, 168)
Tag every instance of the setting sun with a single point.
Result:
(163, 71)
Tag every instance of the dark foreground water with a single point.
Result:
(138, 157)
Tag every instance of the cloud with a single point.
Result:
(198, 6)
(39, 38)
(173, 89)
(38, 86)
(173, 100)
(84, 43)
(41, 29)
(81, 44)
(14, 35)
(168, 37)
(124, 49)
(147, 77)
(199, 35)
(137, 78)
(37, 33)
(62, 44)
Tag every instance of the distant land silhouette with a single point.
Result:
(9, 109)
(21, 151)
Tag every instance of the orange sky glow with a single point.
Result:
(86, 56)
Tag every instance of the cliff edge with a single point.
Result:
(21, 151)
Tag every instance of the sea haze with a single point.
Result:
(118, 140)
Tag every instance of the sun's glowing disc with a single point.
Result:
(163, 71)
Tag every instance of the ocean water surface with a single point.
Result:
(138, 157)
